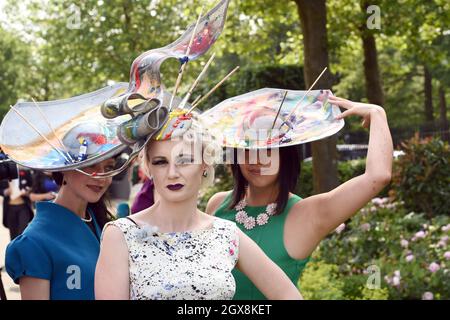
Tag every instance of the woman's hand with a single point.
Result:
(49, 196)
(364, 110)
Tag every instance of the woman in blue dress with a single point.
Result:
(55, 257)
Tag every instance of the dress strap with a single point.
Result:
(132, 221)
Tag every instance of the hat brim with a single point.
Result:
(247, 121)
(70, 120)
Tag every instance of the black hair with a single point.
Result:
(99, 208)
(289, 171)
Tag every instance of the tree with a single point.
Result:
(374, 88)
(17, 71)
(313, 17)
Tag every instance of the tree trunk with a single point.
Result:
(445, 134)
(428, 88)
(313, 18)
(374, 87)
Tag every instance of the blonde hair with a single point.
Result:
(211, 150)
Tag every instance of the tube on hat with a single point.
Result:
(141, 126)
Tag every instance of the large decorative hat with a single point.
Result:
(270, 118)
(78, 132)
(64, 134)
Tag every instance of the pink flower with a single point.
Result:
(390, 205)
(446, 228)
(380, 201)
(433, 267)
(365, 227)
(262, 219)
(409, 258)
(447, 255)
(241, 205)
(427, 296)
(231, 252)
(249, 223)
(340, 228)
(404, 243)
(241, 216)
(377, 201)
(442, 244)
(396, 281)
(387, 279)
(271, 209)
(419, 235)
(444, 238)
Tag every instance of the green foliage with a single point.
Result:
(422, 176)
(256, 77)
(373, 294)
(350, 169)
(304, 186)
(323, 281)
(320, 282)
(16, 69)
(404, 246)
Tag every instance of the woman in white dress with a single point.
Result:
(172, 250)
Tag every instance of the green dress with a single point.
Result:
(269, 237)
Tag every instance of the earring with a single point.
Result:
(205, 174)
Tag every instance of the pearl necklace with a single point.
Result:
(250, 222)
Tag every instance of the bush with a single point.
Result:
(320, 281)
(323, 281)
(411, 251)
(422, 176)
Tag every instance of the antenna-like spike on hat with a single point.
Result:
(183, 65)
(40, 133)
(200, 76)
(214, 89)
(51, 128)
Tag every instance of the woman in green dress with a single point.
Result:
(289, 228)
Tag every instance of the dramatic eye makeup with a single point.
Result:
(157, 161)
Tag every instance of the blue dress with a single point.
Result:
(57, 246)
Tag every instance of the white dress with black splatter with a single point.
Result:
(181, 265)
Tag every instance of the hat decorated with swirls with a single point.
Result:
(74, 133)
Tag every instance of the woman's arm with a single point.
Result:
(42, 196)
(263, 272)
(34, 288)
(315, 217)
(112, 271)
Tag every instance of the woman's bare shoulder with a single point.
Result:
(215, 201)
